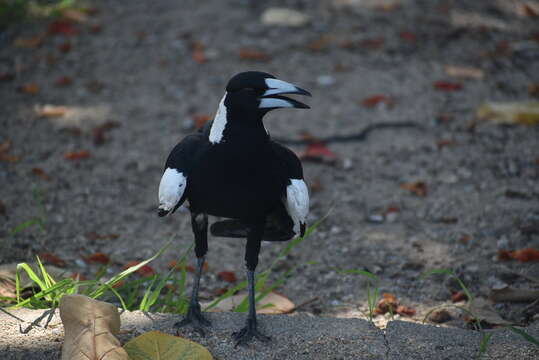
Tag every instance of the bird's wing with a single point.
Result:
(173, 185)
(296, 197)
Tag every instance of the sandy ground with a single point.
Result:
(138, 70)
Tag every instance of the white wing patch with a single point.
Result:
(171, 189)
(297, 202)
(219, 123)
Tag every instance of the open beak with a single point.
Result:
(273, 99)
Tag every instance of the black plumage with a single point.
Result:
(232, 169)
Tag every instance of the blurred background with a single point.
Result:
(94, 95)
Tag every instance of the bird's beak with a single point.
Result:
(273, 99)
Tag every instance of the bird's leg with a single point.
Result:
(251, 260)
(194, 315)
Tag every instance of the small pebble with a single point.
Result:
(376, 219)
(325, 80)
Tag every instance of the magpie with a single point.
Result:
(233, 170)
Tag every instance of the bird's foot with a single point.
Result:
(245, 335)
(195, 318)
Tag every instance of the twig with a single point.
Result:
(10, 314)
(361, 136)
(49, 313)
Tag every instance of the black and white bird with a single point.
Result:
(232, 169)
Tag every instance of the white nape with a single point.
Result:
(277, 86)
(268, 103)
(171, 189)
(219, 123)
(297, 202)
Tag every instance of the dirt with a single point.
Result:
(137, 69)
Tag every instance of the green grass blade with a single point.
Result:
(525, 335)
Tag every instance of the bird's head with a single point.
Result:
(260, 92)
(249, 96)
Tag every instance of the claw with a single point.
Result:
(194, 316)
(245, 335)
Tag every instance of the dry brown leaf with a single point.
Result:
(51, 111)
(49, 258)
(63, 81)
(41, 173)
(77, 155)
(513, 294)
(481, 310)
(91, 327)
(388, 303)
(4, 149)
(97, 258)
(418, 187)
(30, 89)
(227, 276)
(198, 52)
(273, 303)
(254, 55)
(521, 113)
(526, 255)
(464, 72)
(459, 296)
(30, 42)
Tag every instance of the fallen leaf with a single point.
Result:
(65, 47)
(4, 149)
(440, 316)
(95, 86)
(198, 52)
(444, 142)
(513, 294)
(528, 9)
(374, 100)
(46, 257)
(447, 86)
(158, 345)
(321, 43)
(408, 36)
(63, 27)
(388, 6)
(30, 89)
(254, 55)
(464, 72)
(77, 155)
(526, 255)
(30, 42)
(41, 173)
(95, 28)
(373, 43)
(200, 120)
(7, 76)
(63, 81)
(99, 131)
(318, 152)
(93, 236)
(481, 310)
(533, 89)
(388, 303)
(144, 271)
(97, 258)
(521, 113)
(273, 303)
(91, 328)
(405, 310)
(504, 255)
(227, 276)
(74, 15)
(78, 277)
(276, 16)
(51, 111)
(418, 188)
(459, 296)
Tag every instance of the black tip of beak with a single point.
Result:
(301, 91)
